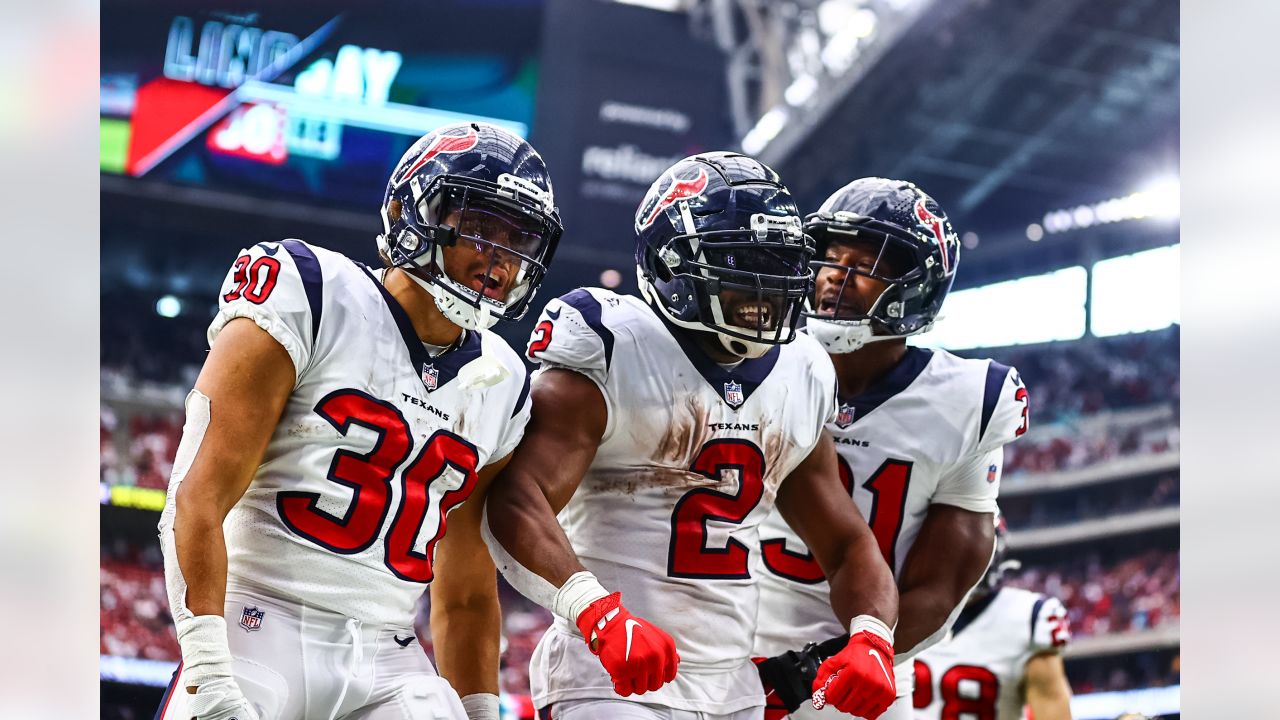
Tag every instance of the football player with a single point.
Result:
(341, 415)
(919, 434)
(1003, 653)
(664, 429)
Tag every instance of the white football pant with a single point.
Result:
(295, 662)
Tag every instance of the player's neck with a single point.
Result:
(857, 371)
(430, 325)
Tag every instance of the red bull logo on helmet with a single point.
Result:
(447, 144)
(678, 190)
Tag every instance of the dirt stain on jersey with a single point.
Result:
(685, 435)
(772, 440)
(310, 429)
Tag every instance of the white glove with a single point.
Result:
(220, 699)
(481, 706)
(207, 667)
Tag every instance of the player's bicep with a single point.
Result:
(951, 552)
(247, 378)
(818, 507)
(565, 427)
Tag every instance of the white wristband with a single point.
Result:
(481, 706)
(205, 654)
(579, 591)
(873, 625)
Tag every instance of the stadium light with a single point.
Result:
(610, 278)
(1034, 232)
(168, 306)
(800, 90)
(1035, 309)
(1158, 199)
(766, 129)
(663, 5)
(1121, 306)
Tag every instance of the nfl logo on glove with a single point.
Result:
(251, 619)
(733, 394)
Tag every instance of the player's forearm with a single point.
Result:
(1048, 692)
(863, 585)
(922, 612)
(522, 520)
(202, 554)
(467, 639)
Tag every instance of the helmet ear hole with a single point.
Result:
(393, 210)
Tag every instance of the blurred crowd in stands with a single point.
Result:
(1135, 592)
(1067, 381)
(134, 608)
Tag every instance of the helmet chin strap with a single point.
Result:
(462, 314)
(743, 348)
(734, 346)
(840, 337)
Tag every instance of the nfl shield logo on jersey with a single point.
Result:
(251, 619)
(733, 394)
(845, 417)
(430, 377)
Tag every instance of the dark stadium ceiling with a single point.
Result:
(1005, 109)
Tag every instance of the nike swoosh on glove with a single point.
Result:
(638, 656)
(858, 680)
(220, 699)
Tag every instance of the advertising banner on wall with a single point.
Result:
(624, 92)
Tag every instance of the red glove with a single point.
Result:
(774, 708)
(638, 656)
(858, 680)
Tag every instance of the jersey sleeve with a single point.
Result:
(1050, 629)
(1005, 408)
(514, 430)
(972, 483)
(277, 285)
(571, 334)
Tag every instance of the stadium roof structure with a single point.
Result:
(1004, 111)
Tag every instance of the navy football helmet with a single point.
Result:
(477, 184)
(916, 256)
(720, 248)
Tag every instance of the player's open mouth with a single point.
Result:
(828, 304)
(487, 285)
(753, 315)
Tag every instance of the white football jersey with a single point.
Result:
(931, 431)
(377, 443)
(688, 468)
(980, 667)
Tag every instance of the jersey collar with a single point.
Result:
(895, 381)
(438, 371)
(733, 386)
